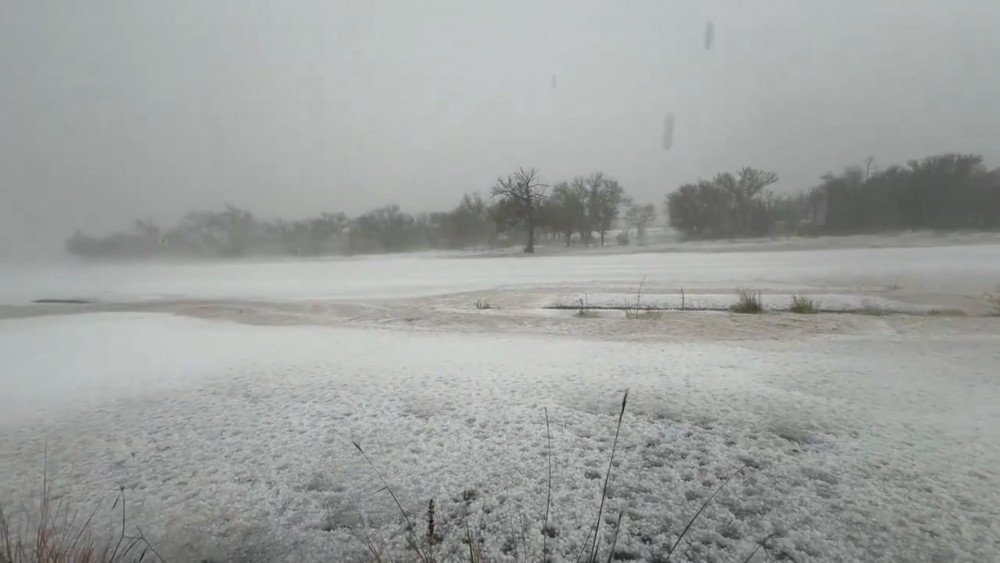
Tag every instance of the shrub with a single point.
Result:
(871, 308)
(804, 305)
(483, 304)
(749, 302)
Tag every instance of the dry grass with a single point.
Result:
(648, 313)
(873, 309)
(411, 534)
(57, 537)
(748, 302)
(947, 312)
(804, 305)
(518, 543)
(585, 312)
(638, 311)
(594, 546)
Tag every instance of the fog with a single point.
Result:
(112, 111)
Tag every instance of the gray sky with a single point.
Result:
(111, 111)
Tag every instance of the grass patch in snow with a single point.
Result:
(994, 300)
(947, 312)
(585, 312)
(59, 537)
(804, 305)
(422, 545)
(873, 309)
(483, 304)
(748, 302)
(638, 311)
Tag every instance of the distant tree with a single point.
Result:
(585, 223)
(520, 196)
(729, 205)
(469, 224)
(314, 236)
(605, 196)
(239, 227)
(566, 210)
(947, 191)
(385, 229)
(639, 217)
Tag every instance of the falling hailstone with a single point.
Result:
(668, 131)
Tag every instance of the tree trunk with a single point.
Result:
(530, 249)
(602, 238)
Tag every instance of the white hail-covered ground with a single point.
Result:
(863, 437)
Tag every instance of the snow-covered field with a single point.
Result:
(960, 269)
(225, 398)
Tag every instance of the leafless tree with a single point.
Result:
(639, 216)
(604, 201)
(521, 195)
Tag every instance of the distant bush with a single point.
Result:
(804, 305)
(749, 302)
(873, 309)
(483, 304)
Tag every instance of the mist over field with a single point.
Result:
(449, 281)
(116, 112)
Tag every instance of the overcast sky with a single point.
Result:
(111, 111)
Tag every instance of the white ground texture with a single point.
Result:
(225, 398)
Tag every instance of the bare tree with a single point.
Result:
(605, 197)
(566, 210)
(639, 216)
(520, 197)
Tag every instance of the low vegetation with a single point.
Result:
(58, 537)
(422, 546)
(948, 191)
(521, 208)
(637, 311)
(804, 305)
(585, 312)
(872, 308)
(748, 302)
(994, 300)
(482, 304)
(940, 192)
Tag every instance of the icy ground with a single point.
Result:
(960, 269)
(230, 421)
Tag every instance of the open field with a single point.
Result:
(225, 398)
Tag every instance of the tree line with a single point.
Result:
(944, 192)
(948, 191)
(520, 208)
